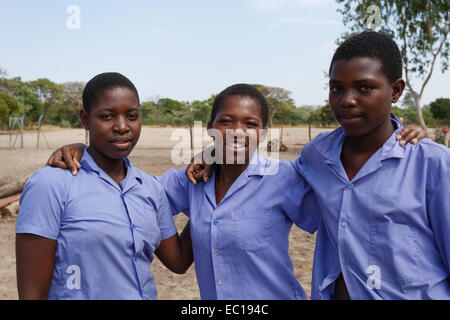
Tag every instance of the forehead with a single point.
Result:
(116, 97)
(241, 105)
(357, 68)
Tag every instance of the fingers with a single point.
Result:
(68, 159)
(207, 172)
(412, 135)
(190, 174)
(402, 134)
(56, 160)
(401, 120)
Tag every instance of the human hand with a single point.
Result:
(409, 134)
(67, 157)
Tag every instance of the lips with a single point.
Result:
(350, 118)
(122, 143)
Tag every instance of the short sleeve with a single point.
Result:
(300, 201)
(164, 217)
(42, 203)
(176, 186)
(438, 208)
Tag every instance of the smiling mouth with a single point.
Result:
(235, 145)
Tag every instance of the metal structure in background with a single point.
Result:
(39, 133)
(13, 122)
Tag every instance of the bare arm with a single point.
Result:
(35, 261)
(176, 252)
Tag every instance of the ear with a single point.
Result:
(84, 117)
(397, 89)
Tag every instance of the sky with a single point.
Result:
(185, 50)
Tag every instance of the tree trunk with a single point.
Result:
(420, 115)
(12, 186)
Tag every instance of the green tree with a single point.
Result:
(421, 29)
(201, 110)
(8, 107)
(440, 108)
(48, 93)
(276, 97)
(65, 110)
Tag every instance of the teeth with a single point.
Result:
(236, 145)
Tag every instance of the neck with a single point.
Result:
(230, 172)
(373, 140)
(115, 168)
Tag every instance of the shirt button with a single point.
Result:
(350, 185)
(216, 251)
(343, 224)
(215, 221)
(135, 258)
(219, 282)
(133, 226)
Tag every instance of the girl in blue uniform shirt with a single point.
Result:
(384, 232)
(94, 236)
(385, 209)
(241, 218)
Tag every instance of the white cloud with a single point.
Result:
(274, 4)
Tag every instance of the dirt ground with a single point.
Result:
(154, 155)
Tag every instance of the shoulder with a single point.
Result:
(50, 178)
(321, 140)
(434, 157)
(283, 171)
(430, 153)
(149, 182)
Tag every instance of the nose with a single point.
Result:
(121, 125)
(349, 99)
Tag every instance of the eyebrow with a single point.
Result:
(231, 116)
(355, 81)
(112, 110)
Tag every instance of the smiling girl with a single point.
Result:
(94, 236)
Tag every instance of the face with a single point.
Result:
(361, 95)
(237, 127)
(114, 124)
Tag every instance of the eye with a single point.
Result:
(252, 124)
(334, 88)
(106, 116)
(133, 116)
(225, 120)
(366, 88)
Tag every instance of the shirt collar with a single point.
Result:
(89, 164)
(331, 146)
(260, 166)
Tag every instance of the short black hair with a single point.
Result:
(375, 45)
(244, 90)
(101, 82)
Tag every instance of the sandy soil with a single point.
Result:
(152, 154)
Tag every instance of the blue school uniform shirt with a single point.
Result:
(241, 245)
(105, 236)
(386, 230)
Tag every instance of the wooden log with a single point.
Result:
(13, 186)
(13, 208)
(10, 199)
